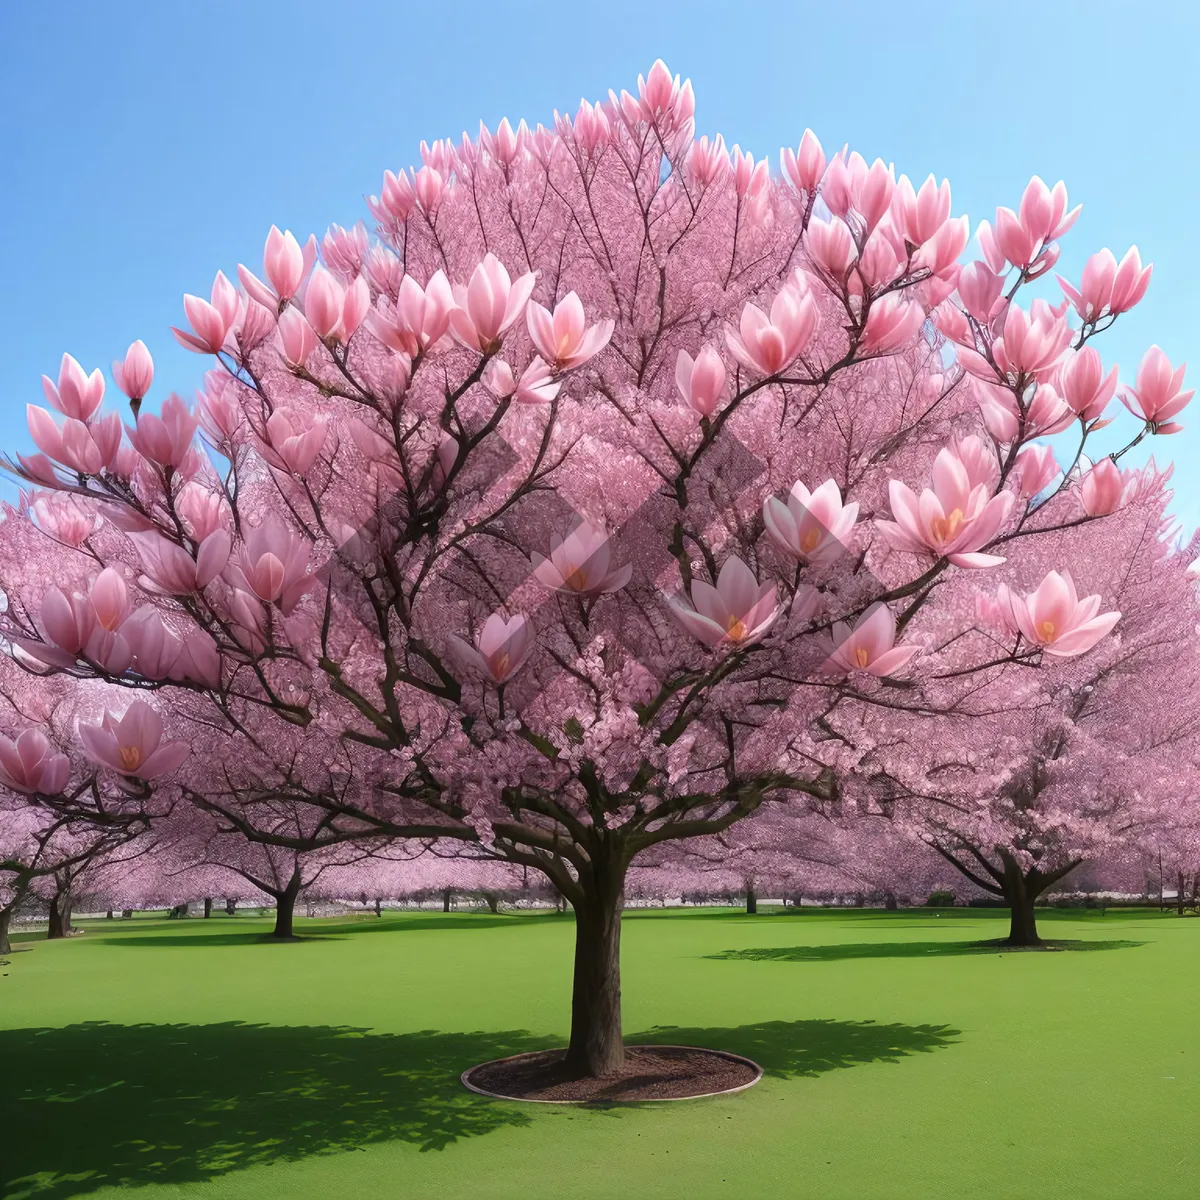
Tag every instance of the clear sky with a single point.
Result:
(147, 144)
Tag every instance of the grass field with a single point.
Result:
(902, 1061)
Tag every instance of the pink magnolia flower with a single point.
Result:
(805, 166)
(297, 338)
(1102, 489)
(78, 395)
(561, 337)
(1054, 617)
(811, 527)
(1108, 287)
(700, 381)
(581, 562)
(500, 650)
(1035, 468)
(173, 569)
(418, 319)
(335, 312)
(765, 345)
(199, 660)
(980, 289)
(283, 261)
(892, 322)
(487, 307)
(869, 646)
(738, 611)
(273, 563)
(87, 448)
(132, 744)
(920, 214)
(294, 439)
(536, 385)
(135, 373)
(1021, 238)
(210, 321)
(395, 200)
(203, 511)
(831, 246)
(953, 519)
(164, 440)
(1045, 413)
(71, 520)
(1159, 394)
(1032, 343)
(110, 600)
(1083, 384)
(708, 161)
(154, 648)
(30, 764)
(67, 620)
(507, 143)
(663, 97)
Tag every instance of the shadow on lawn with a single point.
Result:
(98, 1104)
(848, 950)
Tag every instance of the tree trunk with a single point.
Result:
(5, 922)
(1179, 895)
(126, 914)
(596, 1048)
(285, 907)
(751, 901)
(890, 903)
(446, 900)
(108, 916)
(1020, 891)
(378, 909)
(207, 907)
(493, 902)
(60, 916)
(230, 907)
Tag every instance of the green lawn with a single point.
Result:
(901, 1060)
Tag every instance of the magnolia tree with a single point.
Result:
(550, 524)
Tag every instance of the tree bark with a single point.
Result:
(446, 900)
(108, 916)
(751, 901)
(378, 908)
(126, 914)
(285, 907)
(1020, 890)
(60, 916)
(890, 903)
(230, 907)
(5, 922)
(1179, 895)
(492, 901)
(596, 1048)
(207, 907)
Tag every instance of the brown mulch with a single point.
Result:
(650, 1073)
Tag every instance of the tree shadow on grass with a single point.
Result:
(843, 951)
(785, 1049)
(97, 1104)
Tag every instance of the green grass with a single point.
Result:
(903, 1059)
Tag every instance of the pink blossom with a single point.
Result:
(30, 764)
(562, 338)
(86, 448)
(297, 338)
(1083, 384)
(335, 312)
(164, 440)
(953, 519)
(173, 569)
(132, 744)
(273, 562)
(78, 395)
(892, 323)
(980, 288)
(155, 649)
(536, 385)
(1035, 468)
(701, 381)
(581, 562)
(294, 439)
(135, 373)
(830, 245)
(210, 321)
(765, 345)
(1054, 618)
(1032, 343)
(110, 600)
(1102, 489)
(707, 162)
(870, 646)
(217, 414)
(1159, 394)
(71, 520)
(811, 527)
(920, 214)
(419, 318)
(805, 166)
(487, 307)
(500, 650)
(738, 611)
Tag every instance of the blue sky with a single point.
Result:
(148, 144)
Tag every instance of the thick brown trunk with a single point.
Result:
(378, 909)
(446, 900)
(60, 916)
(126, 914)
(108, 916)
(207, 906)
(751, 901)
(493, 903)
(230, 907)
(285, 907)
(1179, 895)
(1021, 891)
(596, 1048)
(890, 903)
(5, 922)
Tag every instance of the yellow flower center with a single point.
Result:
(1046, 628)
(735, 629)
(131, 756)
(575, 579)
(810, 540)
(500, 663)
(861, 657)
(944, 528)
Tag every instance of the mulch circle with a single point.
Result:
(650, 1073)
